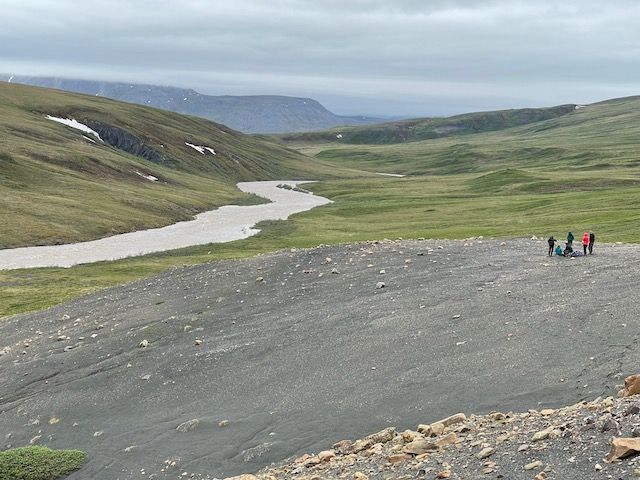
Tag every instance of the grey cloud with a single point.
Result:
(403, 58)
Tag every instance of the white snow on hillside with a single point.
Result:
(201, 148)
(70, 122)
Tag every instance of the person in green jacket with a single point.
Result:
(570, 239)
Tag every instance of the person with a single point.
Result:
(568, 250)
(559, 250)
(552, 243)
(570, 239)
(592, 240)
(585, 242)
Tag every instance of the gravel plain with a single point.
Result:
(220, 369)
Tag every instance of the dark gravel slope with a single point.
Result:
(250, 362)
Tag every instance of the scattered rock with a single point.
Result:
(631, 385)
(623, 447)
(533, 465)
(188, 425)
(485, 453)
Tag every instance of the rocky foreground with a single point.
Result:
(588, 440)
(232, 367)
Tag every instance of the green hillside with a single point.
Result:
(59, 184)
(578, 171)
(418, 129)
(593, 137)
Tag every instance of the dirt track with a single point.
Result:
(290, 352)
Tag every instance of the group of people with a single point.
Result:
(588, 239)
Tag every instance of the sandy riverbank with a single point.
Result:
(224, 224)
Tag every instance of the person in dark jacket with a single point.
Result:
(592, 240)
(568, 250)
(552, 242)
(570, 239)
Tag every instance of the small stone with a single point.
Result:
(380, 285)
(408, 436)
(541, 435)
(360, 476)
(144, 343)
(485, 453)
(188, 425)
(546, 412)
(424, 429)
(326, 455)
(399, 457)
(533, 465)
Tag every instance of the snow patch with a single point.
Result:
(148, 177)
(201, 149)
(70, 122)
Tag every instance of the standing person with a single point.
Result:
(552, 242)
(570, 239)
(585, 242)
(592, 240)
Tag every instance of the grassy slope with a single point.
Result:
(578, 171)
(58, 187)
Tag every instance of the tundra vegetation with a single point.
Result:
(38, 463)
(493, 174)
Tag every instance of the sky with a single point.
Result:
(385, 58)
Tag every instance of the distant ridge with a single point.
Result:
(247, 114)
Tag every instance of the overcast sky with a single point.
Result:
(369, 57)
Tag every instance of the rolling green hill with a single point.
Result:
(151, 167)
(598, 136)
(418, 129)
(543, 174)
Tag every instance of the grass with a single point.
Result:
(58, 187)
(578, 171)
(453, 206)
(38, 463)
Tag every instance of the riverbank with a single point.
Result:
(224, 224)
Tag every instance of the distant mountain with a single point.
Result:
(247, 114)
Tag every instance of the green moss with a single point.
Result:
(38, 463)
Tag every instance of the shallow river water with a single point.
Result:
(224, 224)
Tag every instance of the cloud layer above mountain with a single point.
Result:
(376, 57)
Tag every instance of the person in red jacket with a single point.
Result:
(585, 241)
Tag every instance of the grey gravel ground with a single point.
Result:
(287, 353)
